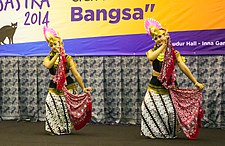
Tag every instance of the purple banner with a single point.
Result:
(204, 42)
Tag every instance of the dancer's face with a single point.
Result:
(160, 38)
(55, 44)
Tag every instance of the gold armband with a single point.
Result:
(196, 83)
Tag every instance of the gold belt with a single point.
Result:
(157, 89)
(60, 92)
(155, 73)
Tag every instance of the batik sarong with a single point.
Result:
(57, 118)
(158, 116)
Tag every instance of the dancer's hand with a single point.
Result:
(199, 85)
(88, 89)
(164, 40)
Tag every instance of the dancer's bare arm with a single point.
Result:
(183, 67)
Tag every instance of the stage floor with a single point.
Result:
(13, 133)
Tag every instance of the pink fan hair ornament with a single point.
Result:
(49, 32)
(149, 22)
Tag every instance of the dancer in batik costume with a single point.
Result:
(64, 107)
(165, 106)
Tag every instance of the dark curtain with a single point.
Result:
(119, 85)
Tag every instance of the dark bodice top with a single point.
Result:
(157, 65)
(154, 84)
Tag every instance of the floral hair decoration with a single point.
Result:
(50, 33)
(152, 26)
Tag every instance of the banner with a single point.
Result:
(110, 27)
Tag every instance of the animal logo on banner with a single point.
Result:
(8, 31)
